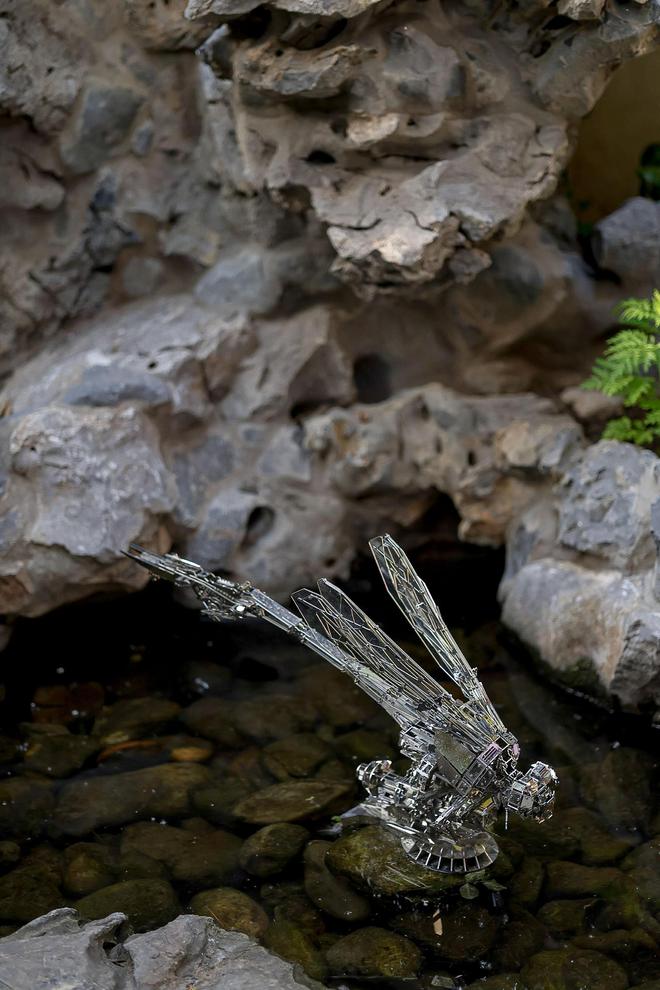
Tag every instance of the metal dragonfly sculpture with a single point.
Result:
(463, 760)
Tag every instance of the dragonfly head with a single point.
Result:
(532, 794)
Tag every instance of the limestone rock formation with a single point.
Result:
(58, 950)
(262, 301)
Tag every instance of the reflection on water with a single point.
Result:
(152, 764)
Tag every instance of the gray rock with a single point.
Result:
(103, 121)
(62, 950)
(626, 242)
(103, 385)
(240, 282)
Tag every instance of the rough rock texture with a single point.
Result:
(261, 302)
(58, 951)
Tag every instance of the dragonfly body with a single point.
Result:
(463, 760)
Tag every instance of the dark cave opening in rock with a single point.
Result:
(372, 376)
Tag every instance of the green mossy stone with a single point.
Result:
(270, 850)
(643, 867)
(88, 866)
(135, 865)
(147, 904)
(546, 841)
(374, 953)
(331, 893)
(285, 939)
(373, 860)
(573, 969)
(33, 888)
(417, 923)
(295, 800)
(468, 932)
(518, 939)
(232, 910)
(598, 845)
(565, 918)
(299, 910)
(499, 981)
(636, 950)
(295, 756)
(527, 882)
(574, 880)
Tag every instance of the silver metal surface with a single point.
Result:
(463, 760)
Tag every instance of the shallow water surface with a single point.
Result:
(152, 763)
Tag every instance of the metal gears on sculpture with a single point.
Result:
(463, 760)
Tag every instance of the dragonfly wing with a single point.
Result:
(414, 599)
(388, 674)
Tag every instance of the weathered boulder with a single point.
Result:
(60, 950)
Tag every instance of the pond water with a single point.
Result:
(152, 762)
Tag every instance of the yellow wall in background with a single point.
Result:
(623, 123)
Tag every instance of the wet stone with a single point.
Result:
(198, 859)
(273, 717)
(146, 903)
(299, 910)
(294, 801)
(620, 788)
(636, 951)
(331, 893)
(232, 910)
(216, 802)
(58, 753)
(336, 698)
(573, 969)
(362, 745)
(295, 756)
(89, 803)
(374, 861)
(293, 944)
(643, 867)
(26, 806)
(134, 865)
(468, 932)
(527, 881)
(272, 848)
(563, 918)
(33, 888)
(372, 953)
(88, 866)
(10, 853)
(212, 718)
(499, 981)
(518, 939)
(574, 880)
(134, 718)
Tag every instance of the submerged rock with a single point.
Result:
(54, 751)
(33, 888)
(146, 903)
(573, 969)
(331, 893)
(293, 944)
(198, 859)
(26, 806)
(269, 850)
(134, 718)
(373, 860)
(564, 917)
(468, 932)
(374, 953)
(295, 756)
(88, 803)
(294, 801)
(88, 866)
(231, 910)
